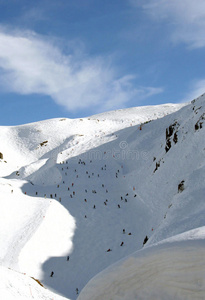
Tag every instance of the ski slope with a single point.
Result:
(73, 189)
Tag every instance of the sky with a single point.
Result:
(76, 58)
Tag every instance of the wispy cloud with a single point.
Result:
(186, 18)
(31, 64)
(196, 89)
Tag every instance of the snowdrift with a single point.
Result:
(173, 269)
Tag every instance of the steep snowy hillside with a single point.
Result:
(173, 188)
(79, 195)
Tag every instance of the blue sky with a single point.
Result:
(75, 58)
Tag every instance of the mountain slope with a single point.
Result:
(173, 187)
(116, 178)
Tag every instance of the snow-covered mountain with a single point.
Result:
(80, 196)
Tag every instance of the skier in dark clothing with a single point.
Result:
(145, 240)
(52, 273)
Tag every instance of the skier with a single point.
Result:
(145, 240)
(52, 273)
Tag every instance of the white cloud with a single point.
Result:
(31, 64)
(186, 18)
(197, 88)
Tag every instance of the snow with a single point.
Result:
(72, 189)
(14, 285)
(58, 225)
(172, 270)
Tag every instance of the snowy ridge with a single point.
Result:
(81, 195)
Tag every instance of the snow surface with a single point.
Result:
(14, 285)
(173, 270)
(68, 188)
